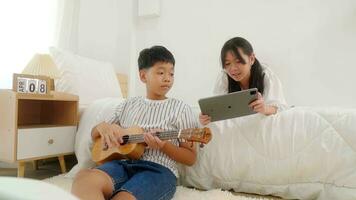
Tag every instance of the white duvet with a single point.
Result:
(300, 153)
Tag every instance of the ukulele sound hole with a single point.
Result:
(125, 139)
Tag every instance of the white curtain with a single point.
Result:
(66, 36)
(27, 27)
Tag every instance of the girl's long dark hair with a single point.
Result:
(257, 74)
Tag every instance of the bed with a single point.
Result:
(300, 153)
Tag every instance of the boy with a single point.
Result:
(154, 175)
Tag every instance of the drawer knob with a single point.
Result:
(50, 141)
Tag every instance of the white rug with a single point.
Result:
(182, 193)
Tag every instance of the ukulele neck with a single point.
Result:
(138, 138)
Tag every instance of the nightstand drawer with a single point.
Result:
(45, 141)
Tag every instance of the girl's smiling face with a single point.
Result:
(238, 69)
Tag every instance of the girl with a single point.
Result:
(241, 71)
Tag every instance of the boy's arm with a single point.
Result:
(95, 132)
(111, 133)
(109, 124)
(185, 153)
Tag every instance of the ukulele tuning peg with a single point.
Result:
(201, 145)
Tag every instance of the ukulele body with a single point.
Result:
(131, 151)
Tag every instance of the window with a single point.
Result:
(27, 27)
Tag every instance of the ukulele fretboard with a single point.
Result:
(138, 138)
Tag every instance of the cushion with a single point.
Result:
(88, 78)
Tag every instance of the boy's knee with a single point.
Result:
(124, 195)
(83, 174)
(93, 178)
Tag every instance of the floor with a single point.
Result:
(46, 168)
(50, 167)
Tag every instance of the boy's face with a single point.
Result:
(158, 79)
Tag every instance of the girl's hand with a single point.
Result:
(110, 133)
(204, 119)
(259, 105)
(153, 141)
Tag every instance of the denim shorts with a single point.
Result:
(143, 179)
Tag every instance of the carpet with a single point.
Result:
(182, 193)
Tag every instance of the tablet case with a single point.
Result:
(228, 106)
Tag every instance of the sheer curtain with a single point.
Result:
(27, 27)
(67, 19)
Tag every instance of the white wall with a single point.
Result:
(309, 44)
(105, 31)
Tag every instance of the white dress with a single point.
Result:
(273, 92)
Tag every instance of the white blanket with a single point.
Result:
(300, 153)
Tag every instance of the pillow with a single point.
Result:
(88, 78)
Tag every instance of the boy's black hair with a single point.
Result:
(150, 56)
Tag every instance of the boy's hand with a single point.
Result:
(258, 105)
(110, 133)
(153, 141)
(204, 119)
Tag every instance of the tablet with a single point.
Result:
(229, 106)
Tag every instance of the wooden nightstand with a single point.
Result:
(36, 127)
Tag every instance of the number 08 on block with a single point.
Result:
(31, 84)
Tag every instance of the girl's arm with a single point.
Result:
(260, 106)
(204, 119)
(273, 93)
(270, 110)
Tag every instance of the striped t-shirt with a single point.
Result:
(168, 115)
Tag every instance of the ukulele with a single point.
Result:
(133, 144)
